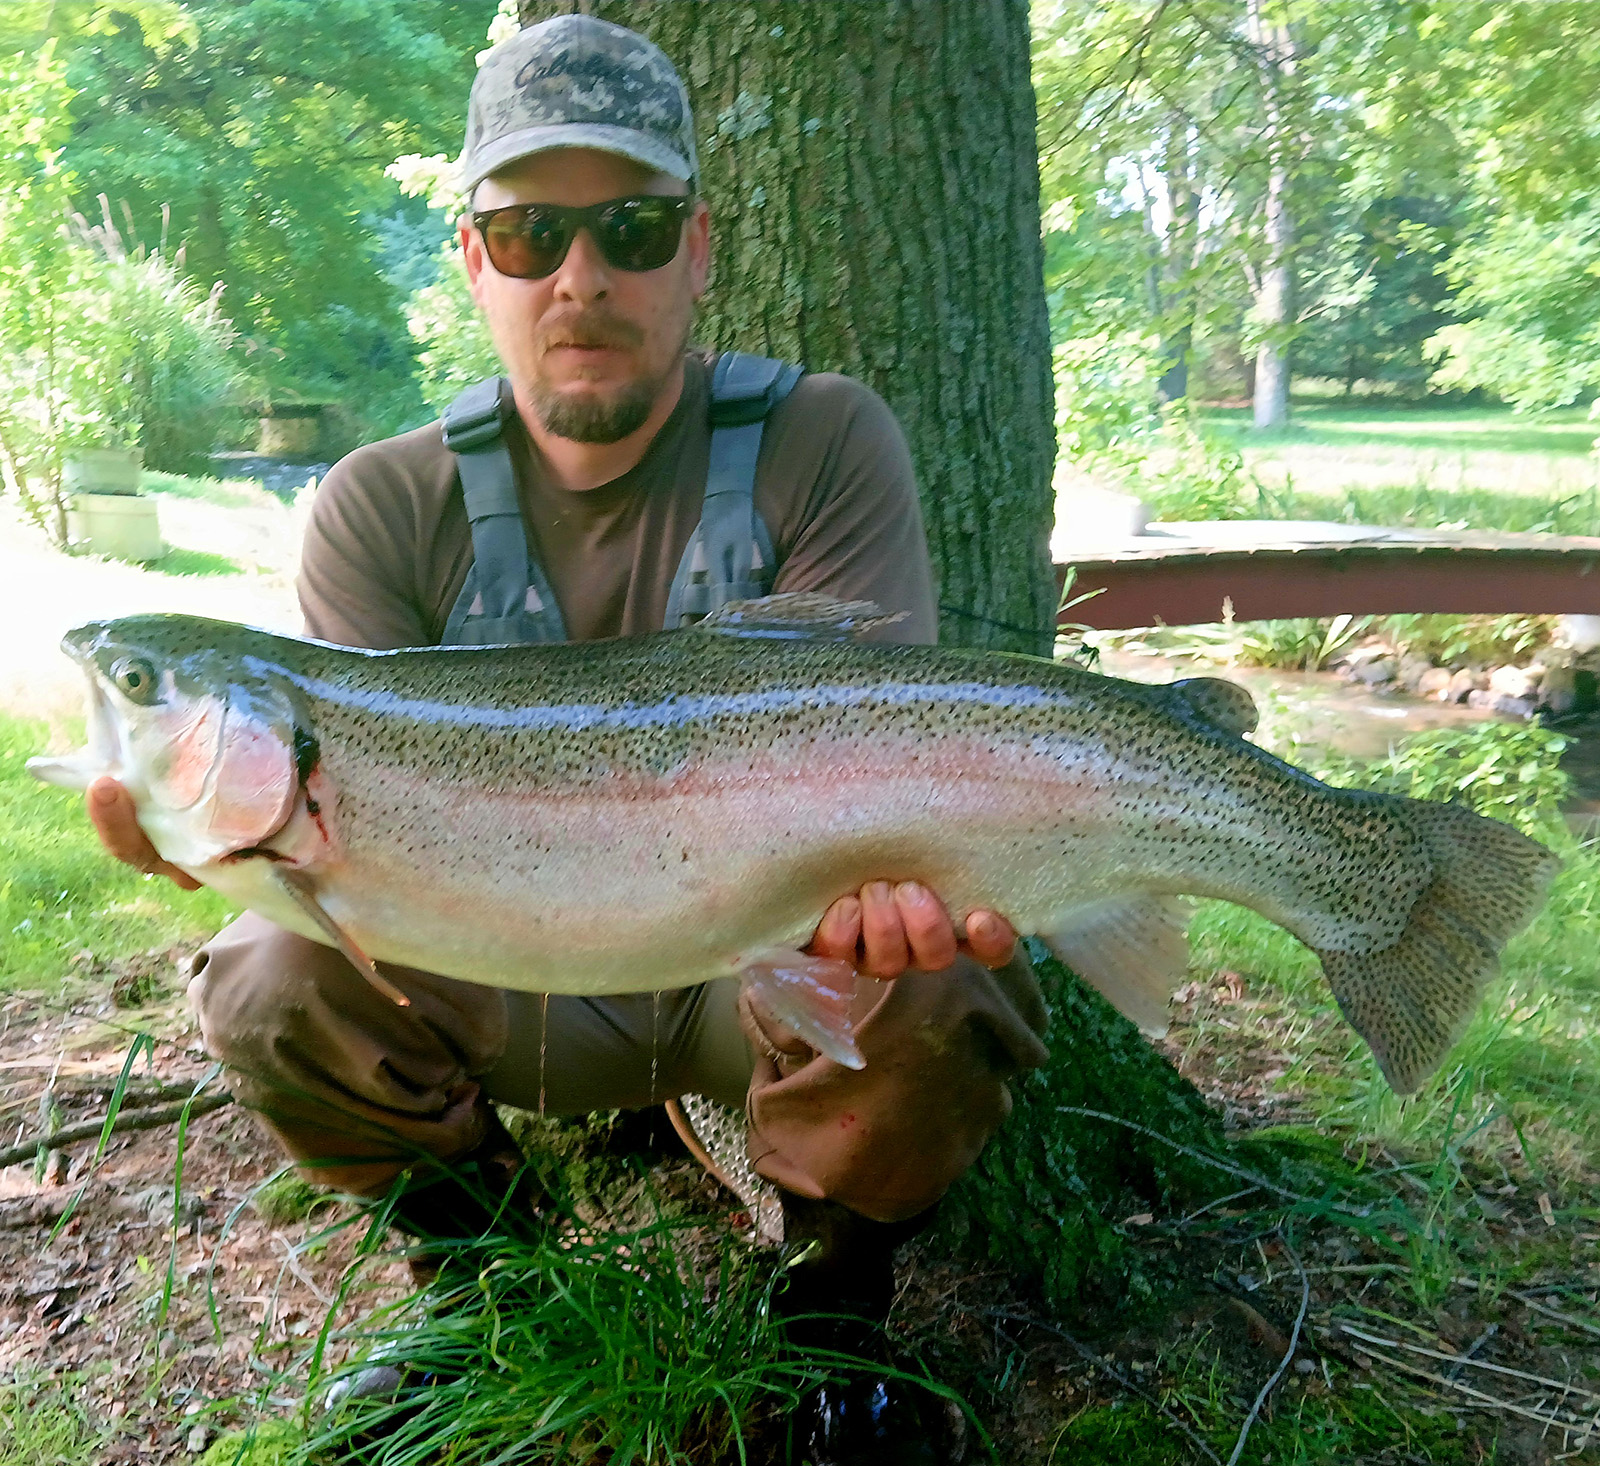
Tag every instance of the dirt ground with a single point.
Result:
(250, 1293)
(87, 1302)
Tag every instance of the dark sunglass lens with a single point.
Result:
(641, 234)
(527, 243)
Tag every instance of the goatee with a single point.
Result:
(596, 418)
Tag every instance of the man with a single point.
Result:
(587, 250)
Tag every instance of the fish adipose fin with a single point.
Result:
(1133, 950)
(1411, 1001)
(803, 615)
(1221, 703)
(294, 886)
(813, 996)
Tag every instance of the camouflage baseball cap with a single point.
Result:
(578, 82)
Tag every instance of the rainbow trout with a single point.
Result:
(651, 812)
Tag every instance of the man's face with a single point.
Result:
(591, 347)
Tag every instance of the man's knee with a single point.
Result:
(248, 987)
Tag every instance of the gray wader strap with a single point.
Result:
(729, 556)
(506, 597)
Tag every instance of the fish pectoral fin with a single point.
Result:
(1133, 950)
(813, 996)
(803, 615)
(298, 890)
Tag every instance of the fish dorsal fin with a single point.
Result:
(802, 615)
(1221, 703)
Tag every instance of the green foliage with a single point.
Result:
(61, 894)
(632, 1347)
(257, 142)
(286, 1198)
(1508, 771)
(1527, 288)
(453, 345)
(1306, 644)
(1470, 641)
(152, 359)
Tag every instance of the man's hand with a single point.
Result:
(115, 820)
(889, 929)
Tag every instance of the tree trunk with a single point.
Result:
(1275, 303)
(1178, 261)
(873, 180)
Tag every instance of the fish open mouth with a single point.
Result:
(104, 752)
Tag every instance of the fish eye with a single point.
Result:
(135, 679)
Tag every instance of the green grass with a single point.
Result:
(1303, 1428)
(651, 1347)
(1569, 432)
(41, 1425)
(194, 562)
(1408, 466)
(61, 894)
(229, 493)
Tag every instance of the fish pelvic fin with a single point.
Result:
(802, 615)
(295, 886)
(1133, 950)
(1412, 1000)
(814, 997)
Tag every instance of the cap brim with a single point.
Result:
(623, 141)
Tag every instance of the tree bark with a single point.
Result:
(1275, 304)
(1178, 260)
(873, 178)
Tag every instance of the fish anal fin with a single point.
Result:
(1133, 950)
(798, 616)
(815, 997)
(295, 886)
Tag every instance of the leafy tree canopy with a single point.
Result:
(255, 137)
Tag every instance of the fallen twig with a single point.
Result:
(1284, 1363)
(31, 1211)
(1463, 1361)
(1110, 1370)
(127, 1120)
(1484, 1401)
(1538, 1307)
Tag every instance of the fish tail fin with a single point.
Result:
(1412, 1000)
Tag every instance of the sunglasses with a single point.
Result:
(529, 241)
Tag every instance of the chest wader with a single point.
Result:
(729, 557)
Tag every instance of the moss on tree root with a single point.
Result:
(1046, 1197)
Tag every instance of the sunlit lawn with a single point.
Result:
(1485, 468)
(61, 895)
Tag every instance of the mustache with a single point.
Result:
(591, 328)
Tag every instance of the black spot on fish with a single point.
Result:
(306, 754)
